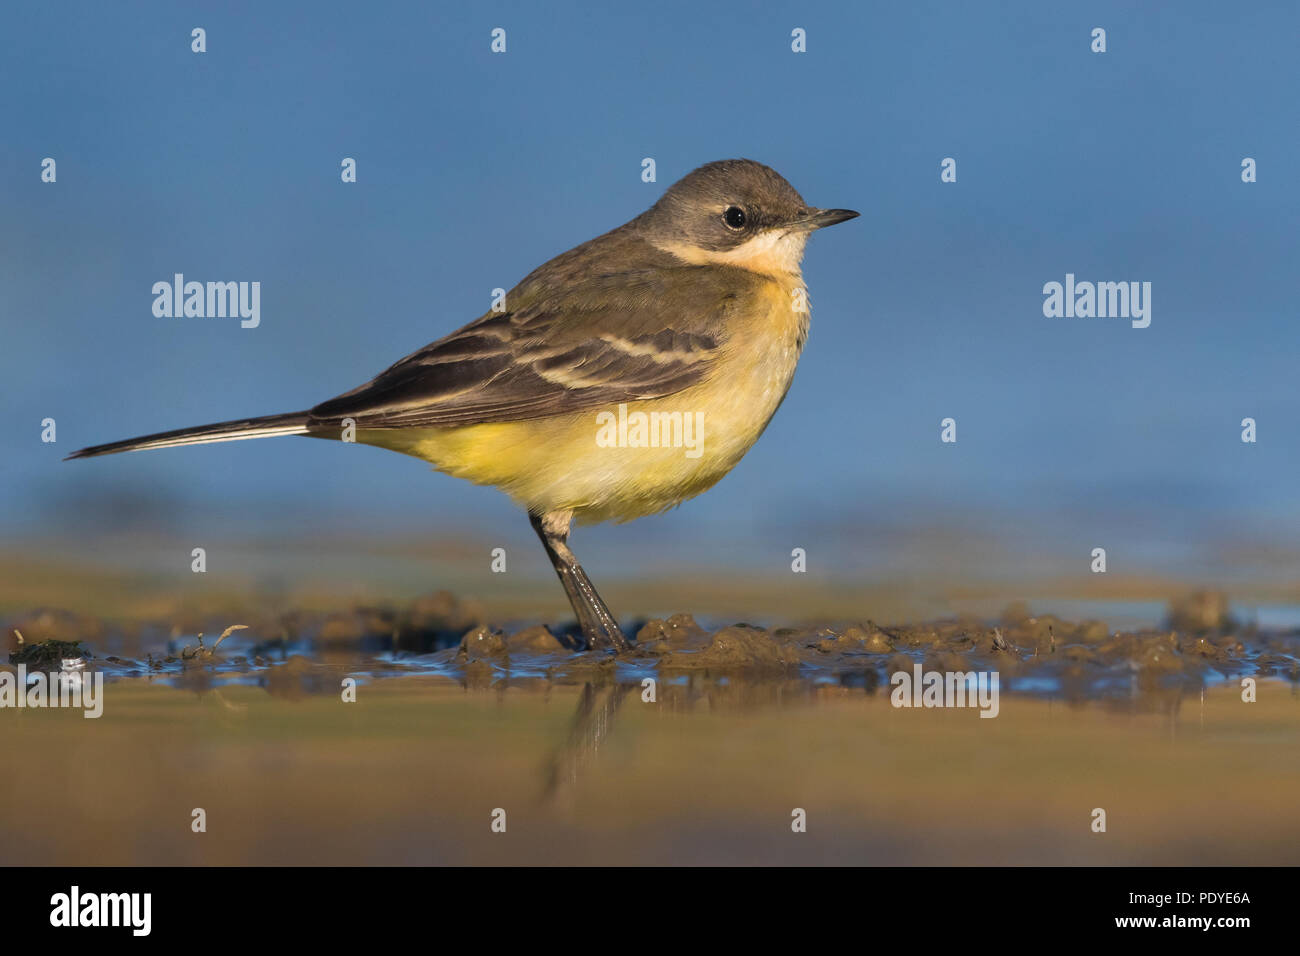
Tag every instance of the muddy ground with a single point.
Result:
(1033, 653)
(742, 728)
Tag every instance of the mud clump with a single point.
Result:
(737, 646)
(867, 639)
(535, 640)
(46, 653)
(873, 640)
(678, 632)
(482, 644)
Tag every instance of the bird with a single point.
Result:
(613, 382)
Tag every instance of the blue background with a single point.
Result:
(474, 168)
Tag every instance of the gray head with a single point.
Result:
(738, 212)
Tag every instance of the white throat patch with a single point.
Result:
(775, 253)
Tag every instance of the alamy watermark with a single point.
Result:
(69, 687)
(75, 908)
(211, 300)
(651, 430)
(1102, 300)
(946, 689)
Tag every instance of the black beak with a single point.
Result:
(821, 218)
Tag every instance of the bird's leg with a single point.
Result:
(599, 627)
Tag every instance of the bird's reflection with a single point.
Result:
(597, 706)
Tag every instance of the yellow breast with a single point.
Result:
(640, 458)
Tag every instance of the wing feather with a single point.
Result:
(610, 339)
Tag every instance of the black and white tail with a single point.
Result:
(292, 423)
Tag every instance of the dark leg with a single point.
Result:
(598, 626)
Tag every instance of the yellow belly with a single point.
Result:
(603, 468)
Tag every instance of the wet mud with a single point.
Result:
(1033, 654)
(694, 747)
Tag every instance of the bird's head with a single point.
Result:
(736, 212)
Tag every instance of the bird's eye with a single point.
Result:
(734, 217)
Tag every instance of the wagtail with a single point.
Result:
(615, 381)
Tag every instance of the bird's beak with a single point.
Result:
(820, 218)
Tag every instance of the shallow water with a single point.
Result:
(746, 728)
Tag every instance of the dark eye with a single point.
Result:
(734, 217)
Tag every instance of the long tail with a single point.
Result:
(292, 423)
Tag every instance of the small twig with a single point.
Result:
(226, 633)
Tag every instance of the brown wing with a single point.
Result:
(599, 342)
